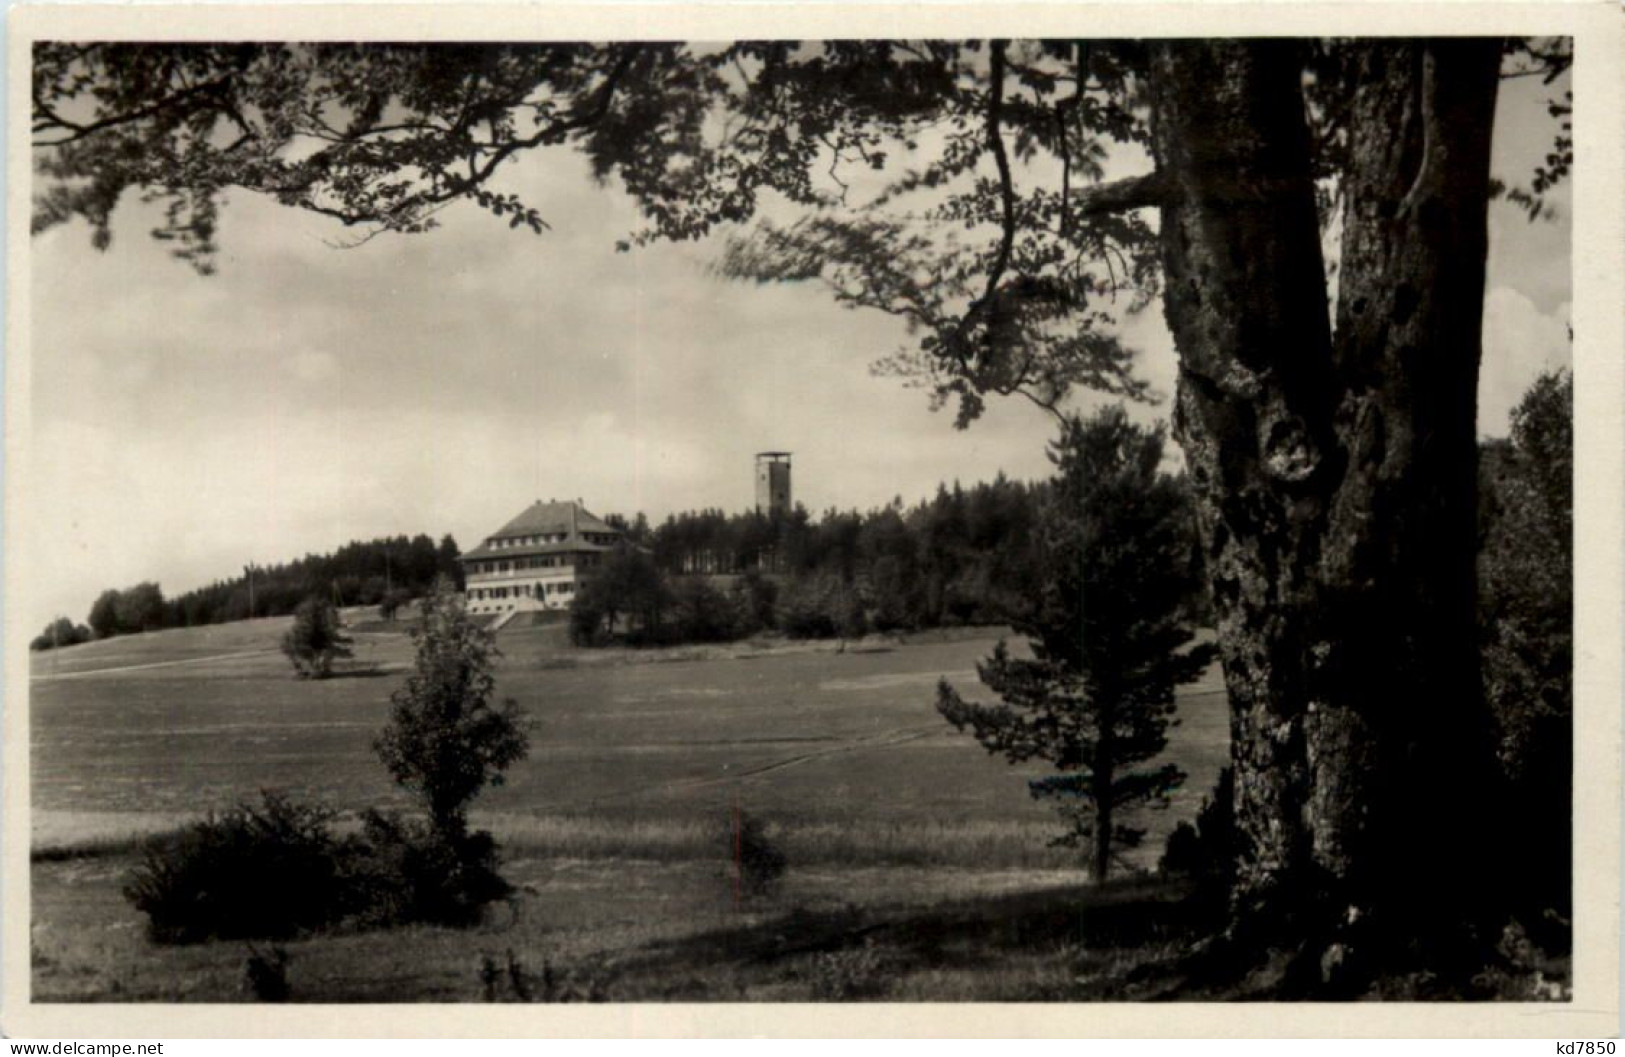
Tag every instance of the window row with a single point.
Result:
(505, 542)
(520, 564)
(487, 594)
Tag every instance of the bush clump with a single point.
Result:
(822, 607)
(407, 872)
(265, 975)
(270, 871)
(276, 870)
(758, 861)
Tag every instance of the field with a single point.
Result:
(918, 865)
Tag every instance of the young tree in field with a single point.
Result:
(1333, 465)
(1108, 637)
(446, 739)
(316, 639)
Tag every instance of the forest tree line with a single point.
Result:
(358, 573)
(965, 556)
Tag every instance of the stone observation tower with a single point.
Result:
(772, 482)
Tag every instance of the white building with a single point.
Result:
(537, 560)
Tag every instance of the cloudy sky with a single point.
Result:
(306, 395)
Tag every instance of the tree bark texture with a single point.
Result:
(1336, 474)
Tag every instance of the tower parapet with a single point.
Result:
(773, 482)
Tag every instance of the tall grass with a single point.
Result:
(982, 844)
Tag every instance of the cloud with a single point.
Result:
(1520, 343)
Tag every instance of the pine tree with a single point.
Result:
(1107, 633)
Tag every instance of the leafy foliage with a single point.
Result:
(968, 555)
(271, 870)
(702, 613)
(316, 639)
(358, 573)
(627, 586)
(929, 134)
(276, 870)
(265, 975)
(127, 611)
(103, 617)
(390, 605)
(1108, 637)
(60, 632)
(1548, 58)
(406, 872)
(1526, 604)
(446, 740)
(957, 185)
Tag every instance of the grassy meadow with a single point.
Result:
(918, 867)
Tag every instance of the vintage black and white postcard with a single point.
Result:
(687, 513)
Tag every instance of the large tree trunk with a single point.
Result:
(1336, 477)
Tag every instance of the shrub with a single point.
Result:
(811, 608)
(389, 606)
(276, 870)
(405, 871)
(267, 871)
(702, 613)
(1207, 850)
(627, 588)
(265, 976)
(758, 861)
(854, 615)
(754, 598)
(315, 640)
(587, 619)
(60, 632)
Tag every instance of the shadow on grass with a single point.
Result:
(1099, 939)
(99, 848)
(376, 671)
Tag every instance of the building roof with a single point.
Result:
(576, 546)
(549, 518)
